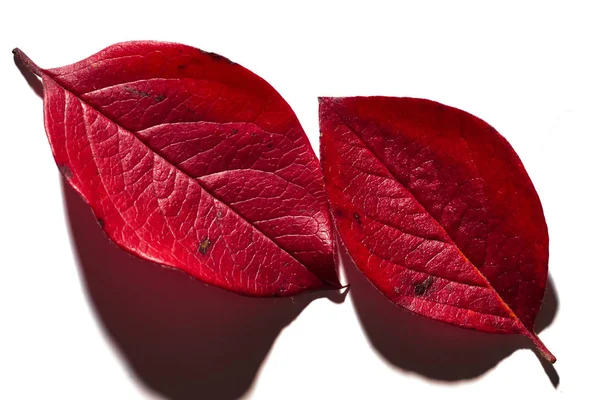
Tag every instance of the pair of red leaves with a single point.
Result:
(194, 162)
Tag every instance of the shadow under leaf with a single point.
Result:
(181, 338)
(433, 349)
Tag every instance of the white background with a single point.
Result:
(81, 320)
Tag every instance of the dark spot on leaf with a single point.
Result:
(217, 57)
(160, 98)
(100, 222)
(136, 92)
(357, 218)
(338, 212)
(65, 170)
(203, 248)
(421, 288)
(181, 67)
(234, 131)
(270, 144)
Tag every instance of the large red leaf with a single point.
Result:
(437, 211)
(194, 162)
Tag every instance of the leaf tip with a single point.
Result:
(328, 100)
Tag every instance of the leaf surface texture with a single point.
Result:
(194, 162)
(437, 210)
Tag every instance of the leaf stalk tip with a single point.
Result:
(542, 349)
(23, 59)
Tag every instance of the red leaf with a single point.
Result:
(436, 209)
(194, 162)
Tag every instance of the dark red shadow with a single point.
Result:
(433, 349)
(180, 337)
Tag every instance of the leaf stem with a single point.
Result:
(26, 61)
(541, 348)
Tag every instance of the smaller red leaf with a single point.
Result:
(194, 162)
(437, 211)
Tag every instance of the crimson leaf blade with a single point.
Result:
(437, 210)
(194, 162)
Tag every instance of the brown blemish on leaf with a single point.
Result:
(203, 248)
(65, 170)
(357, 218)
(217, 57)
(136, 92)
(100, 222)
(235, 131)
(421, 288)
(160, 98)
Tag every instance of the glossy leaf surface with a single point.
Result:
(190, 160)
(437, 210)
